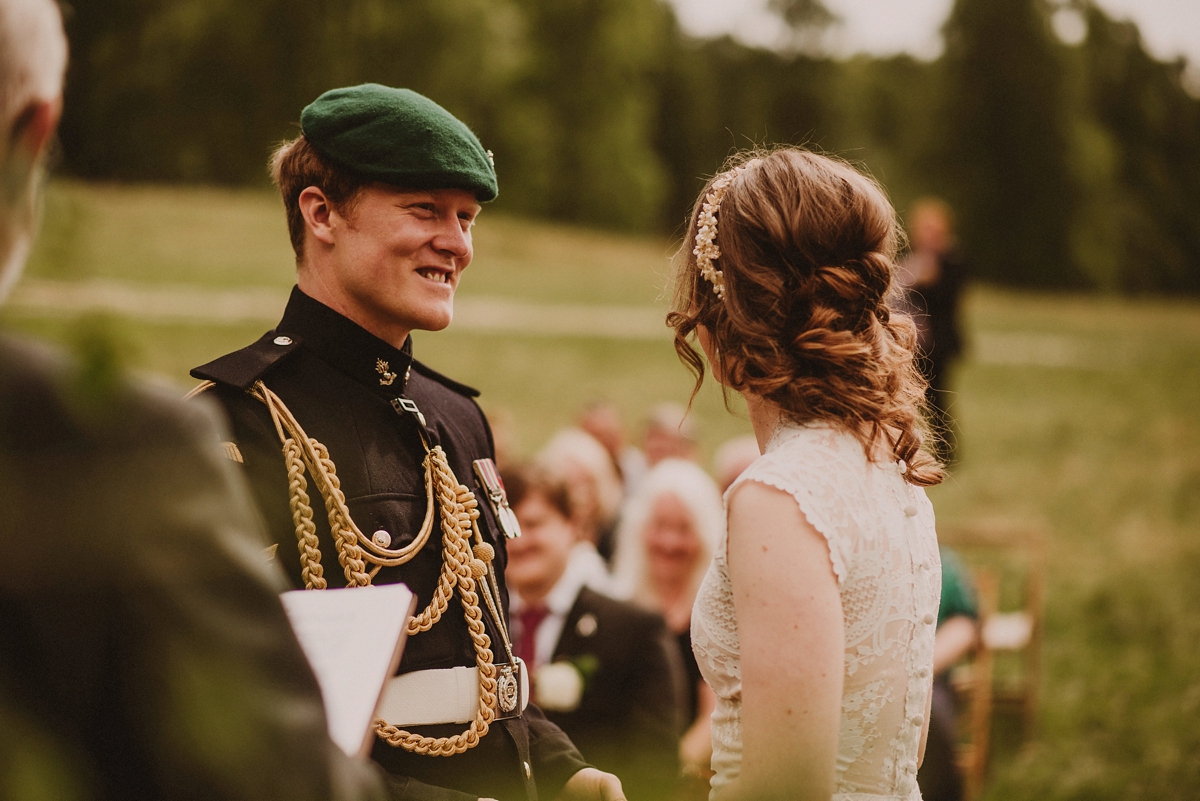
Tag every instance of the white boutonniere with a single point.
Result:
(558, 686)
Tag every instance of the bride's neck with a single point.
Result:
(764, 419)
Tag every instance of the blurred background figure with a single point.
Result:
(670, 434)
(602, 419)
(957, 635)
(934, 276)
(592, 481)
(504, 433)
(665, 542)
(607, 672)
(734, 456)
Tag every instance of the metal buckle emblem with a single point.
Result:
(508, 688)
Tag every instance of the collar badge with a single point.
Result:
(386, 377)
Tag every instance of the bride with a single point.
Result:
(815, 622)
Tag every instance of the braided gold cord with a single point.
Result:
(456, 551)
(306, 531)
(462, 564)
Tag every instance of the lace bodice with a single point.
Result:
(884, 554)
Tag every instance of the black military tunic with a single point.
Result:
(339, 382)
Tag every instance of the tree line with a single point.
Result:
(1068, 166)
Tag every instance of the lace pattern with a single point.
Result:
(883, 550)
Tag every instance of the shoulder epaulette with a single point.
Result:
(243, 367)
(429, 372)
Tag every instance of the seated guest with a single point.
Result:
(734, 456)
(593, 484)
(957, 635)
(665, 542)
(605, 671)
(602, 420)
(670, 434)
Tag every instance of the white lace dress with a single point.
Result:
(884, 552)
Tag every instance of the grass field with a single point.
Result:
(1082, 413)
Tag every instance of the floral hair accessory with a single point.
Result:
(706, 249)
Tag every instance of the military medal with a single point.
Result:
(489, 477)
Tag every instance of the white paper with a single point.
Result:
(353, 638)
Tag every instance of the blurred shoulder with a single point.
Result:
(51, 400)
(618, 614)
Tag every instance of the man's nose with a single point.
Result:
(452, 240)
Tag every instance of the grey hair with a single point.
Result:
(697, 491)
(33, 55)
(33, 60)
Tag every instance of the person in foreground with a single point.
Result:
(371, 468)
(815, 622)
(144, 653)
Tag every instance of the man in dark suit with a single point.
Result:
(144, 654)
(371, 467)
(605, 671)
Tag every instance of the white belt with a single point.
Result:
(434, 697)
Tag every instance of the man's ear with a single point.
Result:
(35, 126)
(317, 212)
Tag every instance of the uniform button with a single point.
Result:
(928, 619)
(283, 340)
(917, 720)
(910, 510)
(381, 538)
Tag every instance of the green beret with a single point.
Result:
(399, 137)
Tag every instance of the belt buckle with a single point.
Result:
(510, 691)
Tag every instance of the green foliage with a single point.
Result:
(1005, 142)
(1151, 155)
(1069, 166)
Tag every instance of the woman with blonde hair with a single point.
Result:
(814, 624)
(666, 538)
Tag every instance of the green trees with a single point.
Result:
(1069, 166)
(1004, 142)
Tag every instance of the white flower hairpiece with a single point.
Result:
(706, 250)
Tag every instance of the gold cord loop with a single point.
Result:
(463, 566)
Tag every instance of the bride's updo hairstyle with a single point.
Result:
(804, 258)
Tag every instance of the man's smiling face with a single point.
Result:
(398, 255)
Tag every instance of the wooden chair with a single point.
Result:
(1008, 565)
(972, 683)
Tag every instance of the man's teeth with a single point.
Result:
(435, 275)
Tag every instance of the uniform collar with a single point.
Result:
(347, 346)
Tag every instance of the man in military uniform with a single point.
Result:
(144, 653)
(371, 467)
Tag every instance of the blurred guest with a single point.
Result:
(607, 672)
(956, 637)
(664, 543)
(934, 277)
(592, 481)
(602, 420)
(504, 433)
(732, 458)
(144, 653)
(670, 434)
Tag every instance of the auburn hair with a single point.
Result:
(296, 165)
(808, 248)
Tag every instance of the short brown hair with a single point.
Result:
(522, 481)
(808, 249)
(295, 166)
